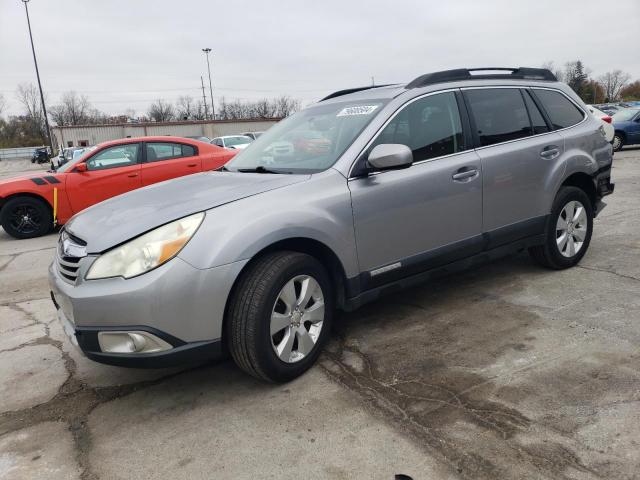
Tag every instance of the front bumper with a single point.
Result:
(176, 302)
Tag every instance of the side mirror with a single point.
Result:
(390, 156)
(81, 167)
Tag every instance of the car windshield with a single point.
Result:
(625, 115)
(233, 141)
(309, 141)
(76, 158)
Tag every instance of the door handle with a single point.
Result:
(132, 175)
(191, 165)
(550, 152)
(465, 174)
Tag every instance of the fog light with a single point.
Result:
(131, 342)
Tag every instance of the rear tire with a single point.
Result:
(279, 316)
(568, 231)
(26, 217)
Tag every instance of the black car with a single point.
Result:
(40, 155)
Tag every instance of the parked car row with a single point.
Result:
(68, 155)
(368, 191)
(621, 122)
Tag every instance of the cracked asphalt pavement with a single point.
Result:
(508, 371)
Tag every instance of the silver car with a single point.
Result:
(398, 184)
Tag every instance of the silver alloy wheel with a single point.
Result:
(617, 142)
(571, 228)
(297, 318)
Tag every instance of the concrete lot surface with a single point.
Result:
(505, 372)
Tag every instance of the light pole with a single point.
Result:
(33, 50)
(213, 109)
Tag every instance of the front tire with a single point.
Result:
(26, 217)
(618, 142)
(279, 316)
(568, 231)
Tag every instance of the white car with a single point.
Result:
(237, 142)
(253, 135)
(605, 120)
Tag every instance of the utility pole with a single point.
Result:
(33, 50)
(213, 109)
(204, 98)
(373, 82)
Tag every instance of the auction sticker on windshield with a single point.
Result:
(357, 110)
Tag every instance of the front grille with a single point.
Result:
(68, 267)
(68, 255)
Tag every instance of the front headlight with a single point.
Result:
(147, 251)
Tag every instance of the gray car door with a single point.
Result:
(412, 219)
(522, 160)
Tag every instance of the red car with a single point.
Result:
(31, 205)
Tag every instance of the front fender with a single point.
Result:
(319, 209)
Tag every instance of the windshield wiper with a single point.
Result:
(223, 169)
(259, 169)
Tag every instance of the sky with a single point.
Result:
(124, 54)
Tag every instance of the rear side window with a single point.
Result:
(165, 151)
(430, 127)
(537, 121)
(562, 112)
(500, 114)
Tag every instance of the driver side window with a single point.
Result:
(113, 157)
(430, 127)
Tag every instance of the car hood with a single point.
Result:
(121, 218)
(41, 179)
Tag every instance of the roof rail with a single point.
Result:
(347, 91)
(523, 73)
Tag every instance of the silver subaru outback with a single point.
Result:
(367, 191)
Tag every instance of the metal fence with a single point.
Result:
(17, 153)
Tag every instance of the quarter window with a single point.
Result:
(500, 114)
(165, 151)
(430, 127)
(562, 112)
(113, 157)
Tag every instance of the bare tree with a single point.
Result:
(3, 104)
(185, 107)
(130, 113)
(613, 82)
(556, 71)
(161, 111)
(75, 109)
(199, 111)
(29, 97)
(264, 109)
(58, 115)
(286, 105)
(27, 94)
